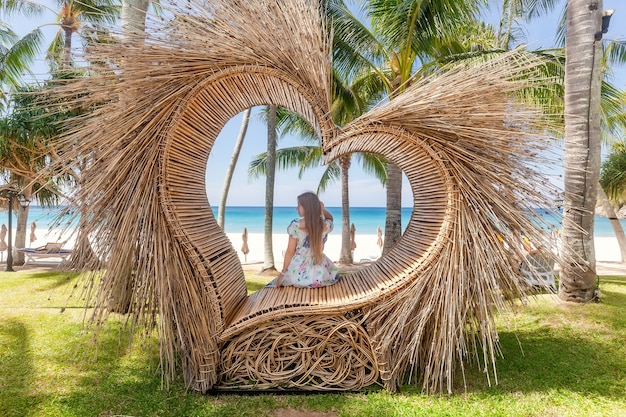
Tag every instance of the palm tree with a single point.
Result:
(270, 175)
(606, 105)
(613, 174)
(582, 147)
(613, 188)
(24, 134)
(346, 106)
(134, 15)
(221, 210)
(515, 12)
(73, 17)
(403, 34)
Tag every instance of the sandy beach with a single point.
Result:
(607, 250)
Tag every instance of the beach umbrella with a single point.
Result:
(244, 248)
(3, 235)
(33, 237)
(379, 242)
(352, 234)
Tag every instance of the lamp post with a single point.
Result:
(24, 202)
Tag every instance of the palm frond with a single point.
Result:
(304, 157)
(374, 164)
(55, 51)
(24, 7)
(355, 47)
(612, 105)
(331, 174)
(615, 52)
(7, 35)
(15, 62)
(415, 24)
(98, 12)
(613, 173)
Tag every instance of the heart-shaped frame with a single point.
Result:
(214, 260)
(465, 144)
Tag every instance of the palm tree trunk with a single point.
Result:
(393, 219)
(345, 256)
(134, 15)
(67, 48)
(617, 226)
(20, 232)
(582, 148)
(221, 210)
(270, 173)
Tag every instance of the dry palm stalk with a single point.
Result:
(467, 148)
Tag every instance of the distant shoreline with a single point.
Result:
(252, 218)
(367, 250)
(606, 247)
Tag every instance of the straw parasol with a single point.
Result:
(33, 237)
(3, 236)
(244, 248)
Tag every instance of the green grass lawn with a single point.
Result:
(557, 360)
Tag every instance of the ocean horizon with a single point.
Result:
(365, 219)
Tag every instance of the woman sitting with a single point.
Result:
(305, 264)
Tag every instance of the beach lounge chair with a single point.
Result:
(50, 250)
(538, 271)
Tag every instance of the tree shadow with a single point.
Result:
(578, 348)
(97, 373)
(17, 372)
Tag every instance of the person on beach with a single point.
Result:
(305, 264)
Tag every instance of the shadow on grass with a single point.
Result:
(127, 383)
(570, 347)
(549, 362)
(74, 377)
(56, 278)
(115, 379)
(16, 369)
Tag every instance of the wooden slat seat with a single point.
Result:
(421, 242)
(354, 290)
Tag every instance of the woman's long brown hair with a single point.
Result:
(314, 223)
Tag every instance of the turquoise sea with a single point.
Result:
(365, 219)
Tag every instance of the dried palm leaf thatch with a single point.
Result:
(243, 54)
(468, 150)
(491, 146)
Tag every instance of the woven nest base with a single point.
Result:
(306, 353)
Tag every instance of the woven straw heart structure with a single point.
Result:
(157, 101)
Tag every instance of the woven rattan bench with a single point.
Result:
(157, 102)
(305, 317)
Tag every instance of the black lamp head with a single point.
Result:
(606, 18)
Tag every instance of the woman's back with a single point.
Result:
(302, 270)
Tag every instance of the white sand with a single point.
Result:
(607, 249)
(366, 248)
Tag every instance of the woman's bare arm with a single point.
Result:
(289, 252)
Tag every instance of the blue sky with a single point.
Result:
(365, 191)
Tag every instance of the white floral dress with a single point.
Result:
(302, 271)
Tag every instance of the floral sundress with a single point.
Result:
(302, 271)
